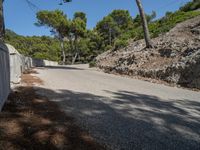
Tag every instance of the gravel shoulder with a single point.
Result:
(123, 113)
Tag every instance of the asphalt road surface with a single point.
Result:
(123, 113)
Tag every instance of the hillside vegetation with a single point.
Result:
(175, 59)
(43, 47)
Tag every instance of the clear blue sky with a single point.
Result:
(20, 18)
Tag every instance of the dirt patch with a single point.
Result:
(30, 71)
(30, 121)
(30, 80)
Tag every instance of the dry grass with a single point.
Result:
(30, 80)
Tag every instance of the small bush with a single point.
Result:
(108, 47)
(92, 64)
(120, 43)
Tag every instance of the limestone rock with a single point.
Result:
(176, 58)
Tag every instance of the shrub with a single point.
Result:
(108, 47)
(121, 43)
(168, 22)
(92, 64)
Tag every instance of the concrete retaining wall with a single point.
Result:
(12, 65)
(4, 74)
(42, 63)
(20, 63)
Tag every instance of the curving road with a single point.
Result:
(123, 113)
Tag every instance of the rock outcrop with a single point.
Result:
(174, 59)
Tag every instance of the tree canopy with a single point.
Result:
(56, 20)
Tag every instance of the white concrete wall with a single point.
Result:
(20, 63)
(42, 63)
(50, 63)
(4, 74)
(12, 65)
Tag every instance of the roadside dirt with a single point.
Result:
(30, 121)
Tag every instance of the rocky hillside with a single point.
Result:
(174, 59)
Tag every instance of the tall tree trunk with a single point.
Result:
(74, 58)
(110, 36)
(147, 38)
(75, 49)
(2, 25)
(62, 50)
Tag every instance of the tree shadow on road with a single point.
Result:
(134, 121)
(63, 67)
(32, 122)
(128, 121)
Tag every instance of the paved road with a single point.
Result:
(124, 113)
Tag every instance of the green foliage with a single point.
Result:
(169, 21)
(95, 41)
(56, 20)
(63, 27)
(92, 64)
(120, 43)
(108, 29)
(113, 25)
(122, 18)
(160, 26)
(38, 47)
(78, 27)
(108, 47)
(80, 15)
(119, 27)
(195, 4)
(138, 22)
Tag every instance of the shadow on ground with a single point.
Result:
(63, 67)
(134, 121)
(127, 121)
(32, 122)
